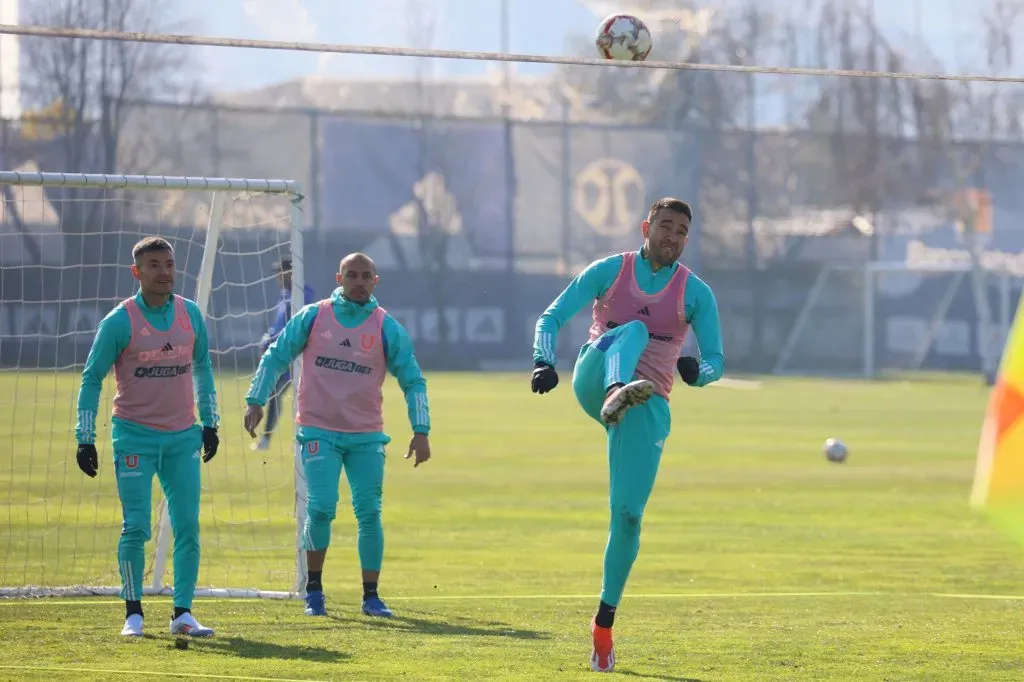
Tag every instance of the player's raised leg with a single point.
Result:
(603, 376)
(179, 475)
(364, 469)
(321, 463)
(134, 473)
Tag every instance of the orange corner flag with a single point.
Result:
(999, 474)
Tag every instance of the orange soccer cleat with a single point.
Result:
(602, 659)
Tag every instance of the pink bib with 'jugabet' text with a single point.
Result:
(342, 379)
(662, 313)
(154, 373)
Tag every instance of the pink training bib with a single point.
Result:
(662, 313)
(341, 384)
(154, 373)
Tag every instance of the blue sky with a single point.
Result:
(537, 26)
(461, 25)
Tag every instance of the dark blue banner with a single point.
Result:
(389, 177)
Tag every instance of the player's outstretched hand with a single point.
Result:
(253, 417)
(689, 369)
(211, 441)
(544, 378)
(419, 447)
(88, 461)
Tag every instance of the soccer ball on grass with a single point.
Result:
(623, 37)
(835, 450)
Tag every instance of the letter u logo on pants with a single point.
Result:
(131, 461)
(313, 446)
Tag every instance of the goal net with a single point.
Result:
(65, 251)
(901, 317)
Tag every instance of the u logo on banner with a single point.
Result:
(608, 194)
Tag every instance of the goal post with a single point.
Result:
(879, 316)
(65, 245)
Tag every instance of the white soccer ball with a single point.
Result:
(835, 450)
(624, 37)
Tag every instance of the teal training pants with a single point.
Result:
(174, 458)
(323, 460)
(634, 444)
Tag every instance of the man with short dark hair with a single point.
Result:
(282, 313)
(157, 344)
(644, 302)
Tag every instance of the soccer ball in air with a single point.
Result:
(624, 37)
(835, 450)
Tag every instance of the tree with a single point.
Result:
(93, 86)
(903, 142)
(968, 119)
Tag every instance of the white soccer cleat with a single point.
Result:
(624, 397)
(262, 444)
(132, 626)
(186, 624)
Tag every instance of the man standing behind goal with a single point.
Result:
(282, 313)
(348, 343)
(157, 344)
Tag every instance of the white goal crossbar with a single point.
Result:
(100, 181)
(217, 187)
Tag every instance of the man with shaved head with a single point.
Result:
(348, 343)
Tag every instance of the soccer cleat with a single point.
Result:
(375, 607)
(315, 605)
(624, 397)
(262, 444)
(186, 624)
(132, 626)
(602, 658)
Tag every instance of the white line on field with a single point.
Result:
(150, 673)
(57, 601)
(743, 384)
(1015, 597)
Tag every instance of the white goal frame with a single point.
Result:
(217, 187)
(1002, 317)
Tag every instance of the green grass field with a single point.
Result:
(759, 559)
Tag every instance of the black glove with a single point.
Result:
(544, 378)
(210, 443)
(689, 369)
(88, 462)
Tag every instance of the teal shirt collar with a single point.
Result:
(141, 302)
(641, 257)
(339, 301)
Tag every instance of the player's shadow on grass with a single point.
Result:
(655, 676)
(447, 629)
(239, 647)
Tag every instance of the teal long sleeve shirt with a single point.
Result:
(700, 308)
(112, 338)
(398, 351)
